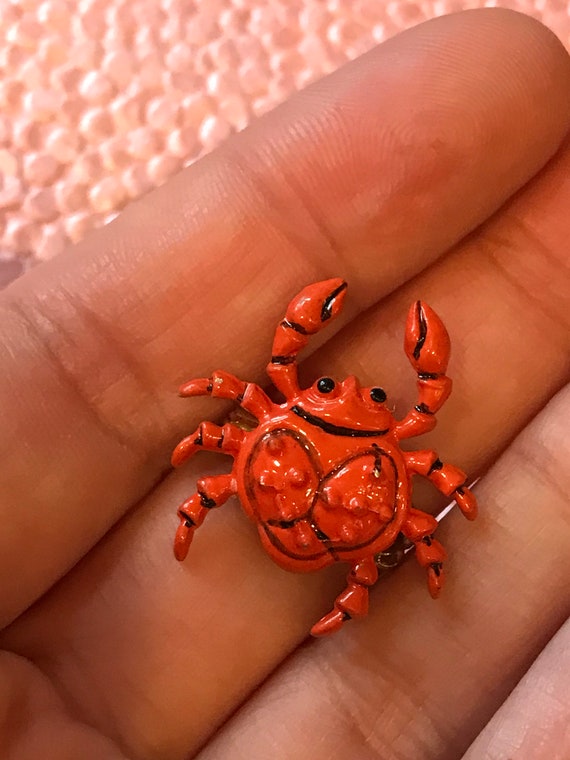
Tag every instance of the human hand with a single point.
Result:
(416, 171)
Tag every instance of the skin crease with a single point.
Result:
(132, 655)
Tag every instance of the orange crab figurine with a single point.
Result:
(323, 475)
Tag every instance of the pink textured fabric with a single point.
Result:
(102, 100)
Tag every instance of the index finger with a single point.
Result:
(370, 174)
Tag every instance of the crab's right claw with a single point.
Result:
(183, 539)
(426, 343)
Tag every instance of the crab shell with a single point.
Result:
(321, 491)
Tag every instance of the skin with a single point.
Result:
(434, 167)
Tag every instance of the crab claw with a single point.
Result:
(317, 303)
(426, 343)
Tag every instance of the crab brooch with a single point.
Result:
(322, 474)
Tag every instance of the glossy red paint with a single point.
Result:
(323, 475)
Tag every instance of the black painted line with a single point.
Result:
(282, 359)
(295, 326)
(328, 427)
(326, 311)
(423, 330)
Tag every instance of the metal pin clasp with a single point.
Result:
(395, 555)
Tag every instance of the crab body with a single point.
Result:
(321, 493)
(323, 475)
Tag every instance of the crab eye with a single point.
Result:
(326, 385)
(378, 395)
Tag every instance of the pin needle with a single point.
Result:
(391, 559)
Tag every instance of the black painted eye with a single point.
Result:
(326, 384)
(377, 394)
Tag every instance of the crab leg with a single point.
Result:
(427, 347)
(447, 478)
(353, 602)
(209, 437)
(223, 385)
(306, 315)
(211, 492)
(430, 554)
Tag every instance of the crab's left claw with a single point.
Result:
(311, 310)
(317, 304)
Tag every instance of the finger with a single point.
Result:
(36, 722)
(535, 719)
(421, 680)
(94, 343)
(504, 296)
(228, 591)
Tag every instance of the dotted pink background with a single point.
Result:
(102, 100)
